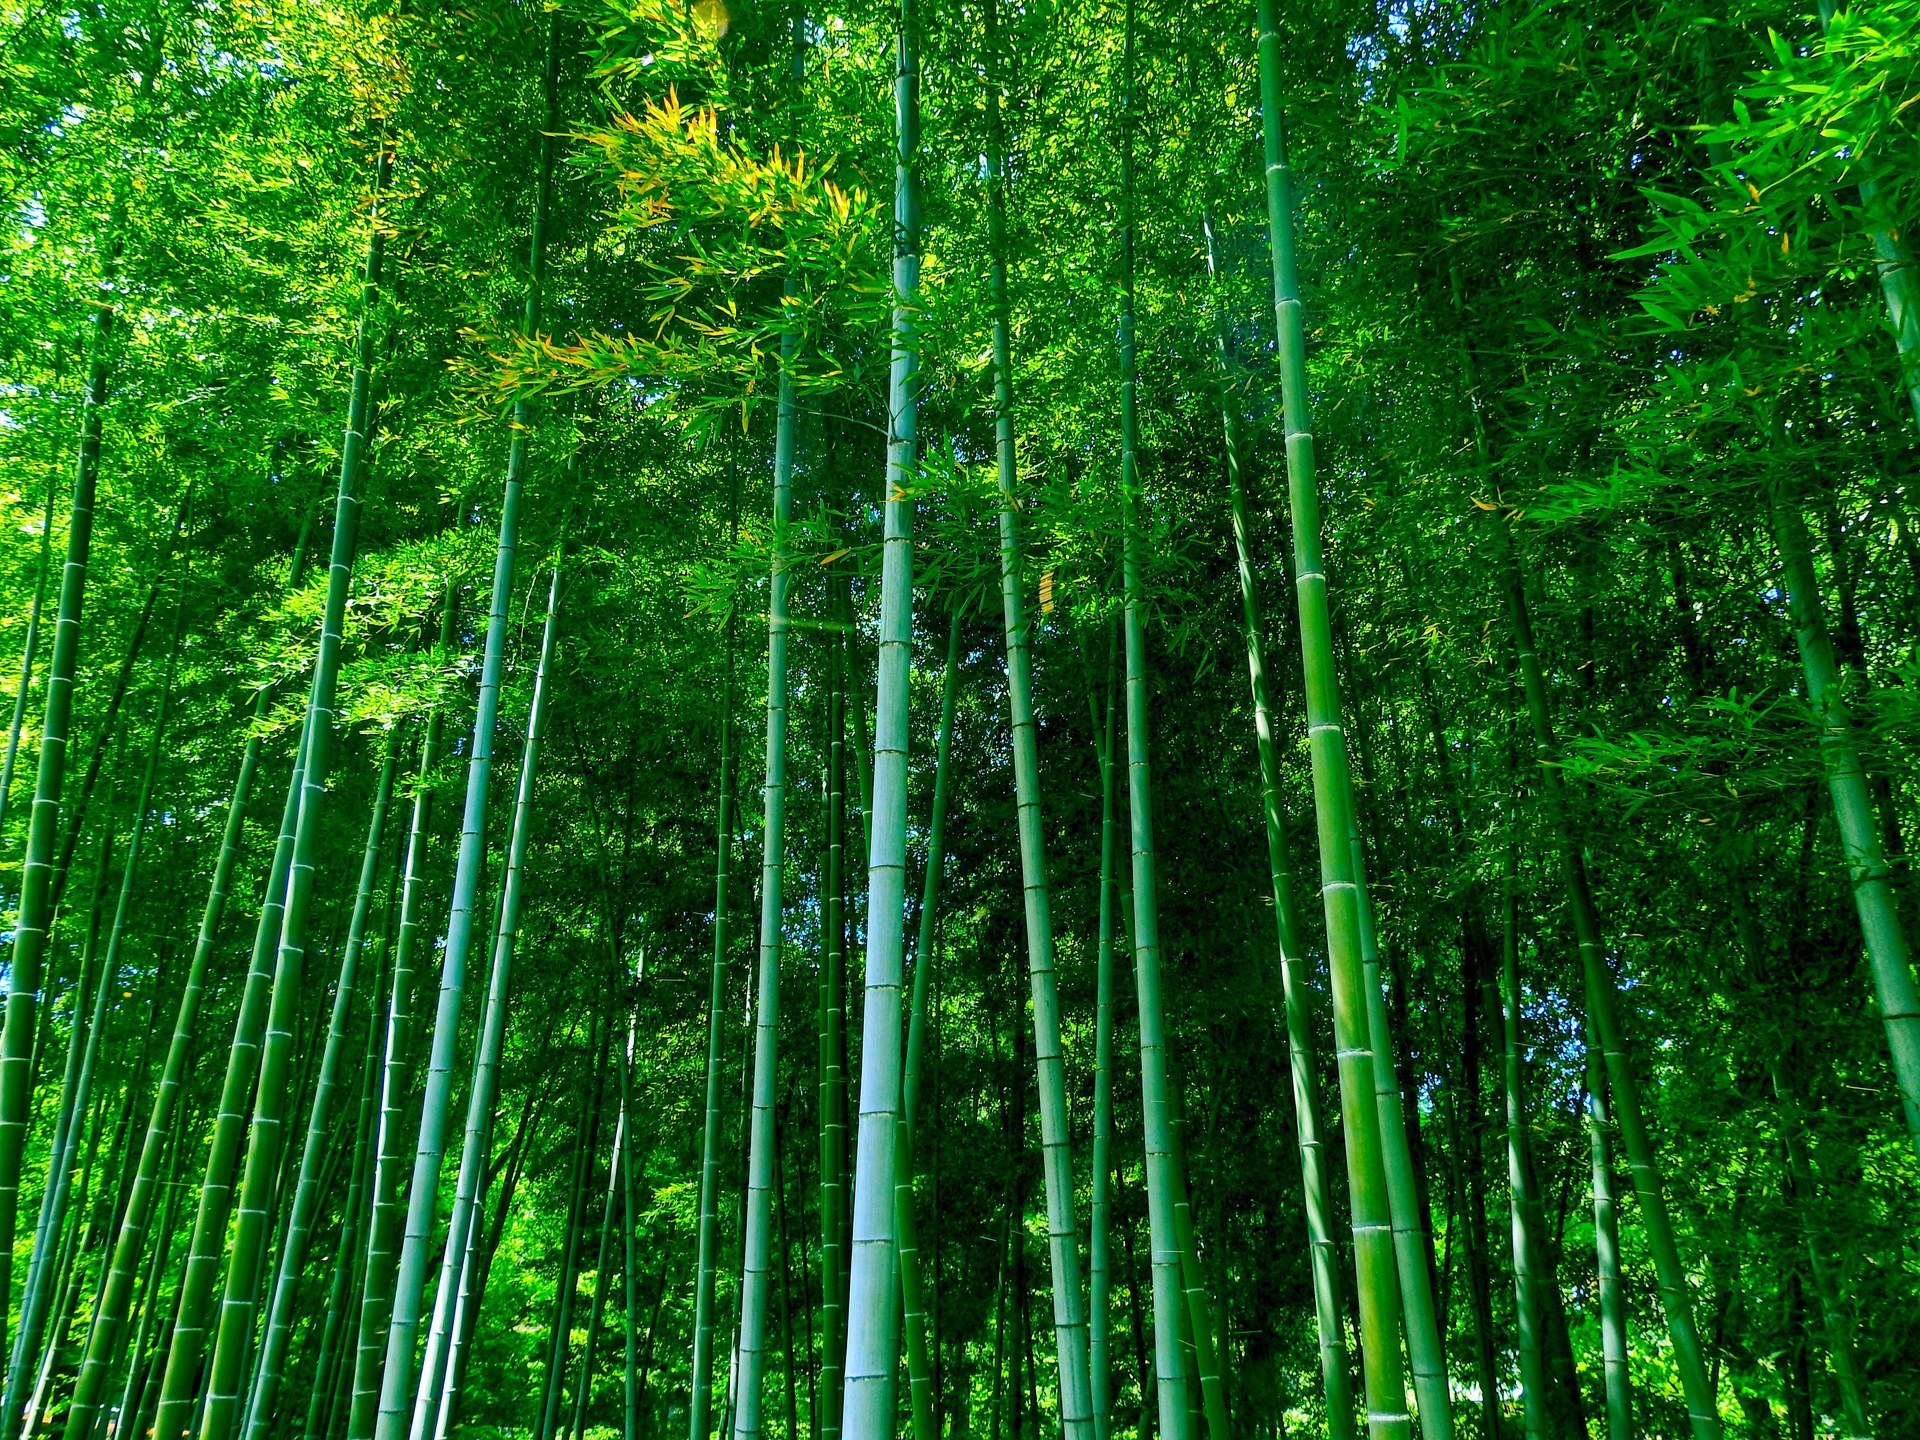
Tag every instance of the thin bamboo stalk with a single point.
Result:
(308, 1189)
(1374, 1258)
(1100, 1197)
(227, 1373)
(872, 1317)
(31, 930)
(1155, 1085)
(757, 1240)
(477, 1143)
(29, 650)
(397, 1388)
(913, 1300)
(1296, 988)
(368, 1335)
(1606, 1240)
(1063, 1253)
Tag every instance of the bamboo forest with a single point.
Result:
(959, 719)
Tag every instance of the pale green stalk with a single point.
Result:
(872, 1318)
(423, 1196)
(1413, 1252)
(102, 1356)
(1523, 1201)
(477, 1143)
(707, 1225)
(1606, 1241)
(1296, 988)
(1100, 1197)
(306, 1190)
(31, 930)
(1874, 900)
(368, 1338)
(1374, 1258)
(757, 1243)
(913, 1303)
(1056, 1131)
(227, 1372)
(1156, 1101)
(29, 650)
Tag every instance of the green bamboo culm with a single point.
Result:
(335, 1329)
(85, 997)
(102, 1358)
(423, 1196)
(1888, 957)
(396, 1075)
(1156, 1102)
(273, 1344)
(832, 1054)
(1606, 1240)
(181, 1377)
(453, 1315)
(872, 1299)
(1412, 1250)
(1601, 996)
(1523, 1199)
(38, 1296)
(707, 1225)
(1296, 988)
(226, 1374)
(29, 649)
(757, 1243)
(1378, 1290)
(31, 930)
(906, 1220)
(1100, 1188)
(1063, 1252)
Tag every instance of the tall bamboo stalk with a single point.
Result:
(33, 1310)
(331, 1364)
(101, 1358)
(1412, 1250)
(369, 1334)
(630, 1390)
(31, 930)
(307, 1187)
(226, 1374)
(477, 1143)
(423, 1196)
(832, 1068)
(1063, 1253)
(1871, 879)
(1670, 1273)
(757, 1240)
(1374, 1260)
(1100, 1189)
(86, 996)
(913, 1298)
(1524, 1204)
(1156, 1099)
(872, 1317)
(1606, 1240)
(1296, 988)
(29, 650)
(707, 1232)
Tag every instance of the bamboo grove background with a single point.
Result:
(1602, 313)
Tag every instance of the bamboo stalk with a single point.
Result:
(872, 1318)
(1374, 1256)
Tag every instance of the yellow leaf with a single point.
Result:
(829, 559)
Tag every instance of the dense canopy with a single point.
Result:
(959, 719)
